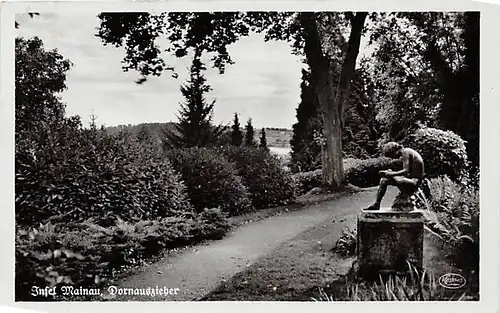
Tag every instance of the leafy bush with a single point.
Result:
(268, 183)
(346, 244)
(67, 173)
(362, 173)
(452, 214)
(211, 180)
(365, 173)
(306, 181)
(87, 255)
(444, 152)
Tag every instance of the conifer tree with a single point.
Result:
(249, 134)
(305, 152)
(263, 140)
(195, 127)
(236, 133)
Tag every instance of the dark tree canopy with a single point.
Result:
(40, 76)
(139, 33)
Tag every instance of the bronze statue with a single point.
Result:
(407, 180)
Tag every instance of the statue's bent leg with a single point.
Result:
(407, 187)
(382, 189)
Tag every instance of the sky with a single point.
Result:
(263, 84)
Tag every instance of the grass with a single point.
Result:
(306, 269)
(290, 272)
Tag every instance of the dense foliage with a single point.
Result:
(72, 174)
(360, 132)
(40, 75)
(426, 70)
(444, 152)
(87, 202)
(268, 183)
(452, 212)
(88, 255)
(211, 180)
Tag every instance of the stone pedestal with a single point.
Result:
(387, 239)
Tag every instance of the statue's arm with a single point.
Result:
(406, 166)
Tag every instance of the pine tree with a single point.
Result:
(249, 134)
(236, 134)
(263, 140)
(305, 152)
(195, 127)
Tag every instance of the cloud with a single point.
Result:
(264, 82)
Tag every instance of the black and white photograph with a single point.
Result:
(250, 155)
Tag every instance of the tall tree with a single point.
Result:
(195, 127)
(263, 139)
(331, 89)
(426, 66)
(311, 34)
(249, 133)
(236, 133)
(40, 78)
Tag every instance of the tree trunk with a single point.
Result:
(331, 95)
(333, 172)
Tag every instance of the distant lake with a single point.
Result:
(280, 151)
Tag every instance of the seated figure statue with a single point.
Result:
(407, 180)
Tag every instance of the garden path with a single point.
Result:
(200, 269)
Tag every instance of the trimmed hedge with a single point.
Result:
(361, 173)
(211, 180)
(443, 152)
(269, 184)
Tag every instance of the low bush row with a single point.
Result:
(235, 179)
(268, 183)
(87, 255)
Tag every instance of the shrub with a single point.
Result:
(452, 214)
(346, 244)
(365, 173)
(211, 180)
(87, 255)
(67, 173)
(306, 181)
(268, 183)
(444, 152)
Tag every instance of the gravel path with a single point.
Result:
(197, 271)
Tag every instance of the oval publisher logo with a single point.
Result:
(452, 281)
